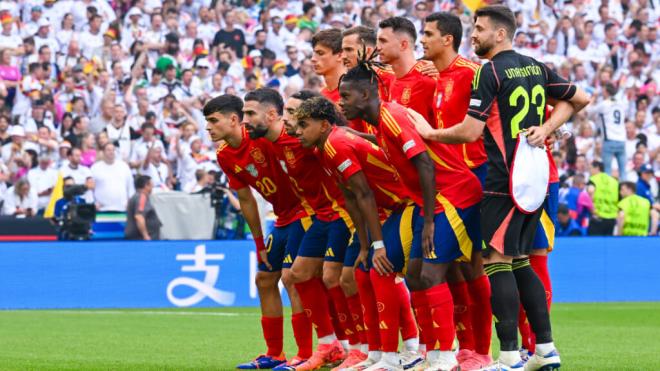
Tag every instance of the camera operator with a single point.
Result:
(72, 213)
(142, 222)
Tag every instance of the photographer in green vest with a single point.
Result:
(604, 191)
(634, 212)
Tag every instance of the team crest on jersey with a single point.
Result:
(405, 97)
(449, 88)
(252, 170)
(289, 156)
(258, 156)
(283, 164)
(237, 169)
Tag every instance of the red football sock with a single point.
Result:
(525, 331)
(462, 315)
(539, 264)
(407, 317)
(302, 332)
(389, 309)
(273, 329)
(442, 312)
(420, 304)
(355, 307)
(370, 308)
(314, 300)
(343, 314)
(334, 319)
(482, 313)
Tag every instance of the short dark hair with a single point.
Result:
(146, 126)
(268, 96)
(43, 47)
(366, 35)
(630, 185)
(448, 24)
(304, 95)
(319, 108)
(330, 38)
(225, 104)
(400, 25)
(501, 16)
(598, 164)
(69, 151)
(141, 181)
(308, 6)
(562, 209)
(611, 89)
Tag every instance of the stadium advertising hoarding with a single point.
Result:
(128, 274)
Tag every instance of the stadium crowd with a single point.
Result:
(103, 91)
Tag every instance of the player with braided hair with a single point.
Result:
(446, 216)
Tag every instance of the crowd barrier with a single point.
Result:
(160, 274)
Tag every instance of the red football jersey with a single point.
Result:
(357, 124)
(309, 179)
(345, 154)
(254, 164)
(415, 90)
(452, 98)
(387, 77)
(332, 95)
(456, 185)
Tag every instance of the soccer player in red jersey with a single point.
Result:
(411, 88)
(359, 43)
(447, 196)
(327, 61)
(249, 162)
(473, 315)
(328, 237)
(373, 192)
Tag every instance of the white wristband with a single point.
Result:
(377, 245)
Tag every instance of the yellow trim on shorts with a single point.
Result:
(456, 223)
(549, 229)
(306, 222)
(406, 234)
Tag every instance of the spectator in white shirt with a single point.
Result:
(20, 200)
(91, 42)
(142, 146)
(191, 161)
(80, 174)
(119, 132)
(611, 113)
(42, 179)
(159, 171)
(113, 181)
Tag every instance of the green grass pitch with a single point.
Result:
(612, 336)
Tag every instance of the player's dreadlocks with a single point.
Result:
(365, 70)
(319, 108)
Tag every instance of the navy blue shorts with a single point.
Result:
(545, 229)
(398, 237)
(352, 252)
(282, 244)
(457, 235)
(327, 240)
(481, 172)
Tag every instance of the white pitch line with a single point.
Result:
(147, 313)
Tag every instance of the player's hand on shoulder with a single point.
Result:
(421, 125)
